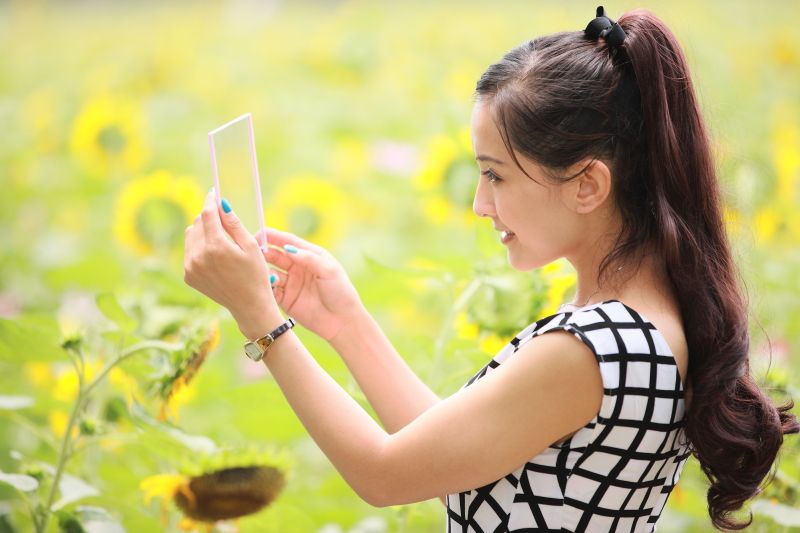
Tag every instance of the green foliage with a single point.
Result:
(113, 370)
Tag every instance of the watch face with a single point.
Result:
(252, 351)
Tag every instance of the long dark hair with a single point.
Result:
(564, 97)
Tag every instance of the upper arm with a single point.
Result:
(549, 388)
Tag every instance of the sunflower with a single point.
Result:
(107, 136)
(227, 486)
(448, 177)
(152, 211)
(174, 389)
(312, 208)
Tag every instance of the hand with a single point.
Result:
(315, 290)
(232, 273)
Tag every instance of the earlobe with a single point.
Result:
(593, 187)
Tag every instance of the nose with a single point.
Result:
(483, 204)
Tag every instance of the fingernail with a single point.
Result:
(289, 248)
(272, 279)
(226, 206)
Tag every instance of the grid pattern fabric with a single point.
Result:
(616, 472)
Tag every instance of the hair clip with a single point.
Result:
(602, 26)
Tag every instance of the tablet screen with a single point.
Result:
(235, 167)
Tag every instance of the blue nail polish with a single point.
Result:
(289, 248)
(226, 206)
(272, 279)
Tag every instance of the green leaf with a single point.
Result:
(98, 520)
(29, 339)
(109, 306)
(15, 402)
(20, 482)
(73, 489)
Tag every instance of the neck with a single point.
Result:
(622, 280)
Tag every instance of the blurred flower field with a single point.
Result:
(125, 398)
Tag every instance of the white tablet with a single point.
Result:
(234, 164)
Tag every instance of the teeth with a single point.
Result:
(505, 234)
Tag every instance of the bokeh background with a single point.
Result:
(361, 114)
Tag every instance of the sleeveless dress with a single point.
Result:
(616, 472)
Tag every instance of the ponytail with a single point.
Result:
(562, 97)
(734, 429)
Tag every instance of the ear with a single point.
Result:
(591, 188)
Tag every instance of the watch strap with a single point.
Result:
(263, 343)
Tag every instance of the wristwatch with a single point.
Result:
(256, 349)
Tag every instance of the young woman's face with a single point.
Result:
(544, 228)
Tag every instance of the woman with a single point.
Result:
(592, 147)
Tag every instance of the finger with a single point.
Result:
(279, 279)
(279, 238)
(193, 241)
(279, 294)
(277, 257)
(235, 228)
(212, 225)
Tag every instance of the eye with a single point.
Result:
(493, 178)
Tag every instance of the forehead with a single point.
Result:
(483, 124)
(486, 138)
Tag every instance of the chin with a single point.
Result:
(525, 264)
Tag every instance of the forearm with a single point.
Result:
(342, 429)
(392, 388)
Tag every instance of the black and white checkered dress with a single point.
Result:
(616, 472)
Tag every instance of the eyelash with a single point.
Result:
(493, 178)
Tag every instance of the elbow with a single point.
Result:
(376, 491)
(374, 495)
(376, 487)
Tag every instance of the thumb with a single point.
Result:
(234, 226)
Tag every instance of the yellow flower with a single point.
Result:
(128, 385)
(58, 420)
(222, 494)
(464, 328)
(38, 373)
(313, 208)
(448, 176)
(492, 344)
(178, 391)
(559, 281)
(766, 222)
(786, 152)
(153, 211)
(107, 136)
(65, 386)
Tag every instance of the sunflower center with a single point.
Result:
(160, 222)
(458, 182)
(304, 220)
(111, 139)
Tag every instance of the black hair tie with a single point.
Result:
(604, 27)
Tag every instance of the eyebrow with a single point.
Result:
(488, 158)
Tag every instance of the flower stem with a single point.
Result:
(83, 394)
(446, 330)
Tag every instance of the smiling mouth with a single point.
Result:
(506, 236)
